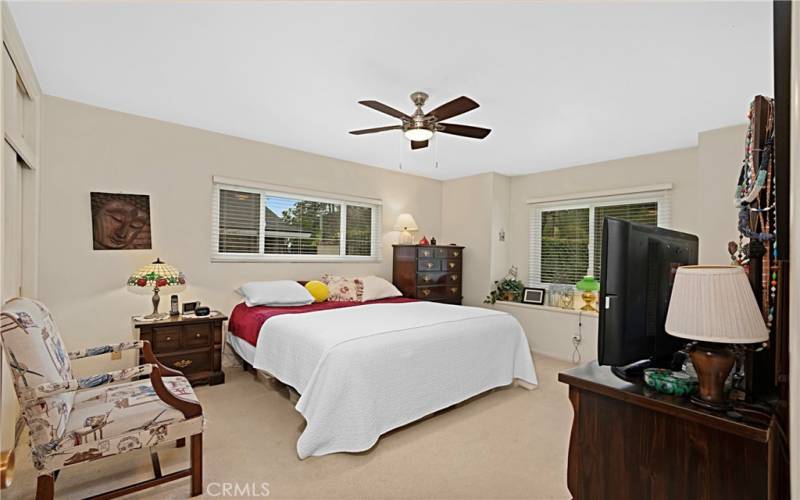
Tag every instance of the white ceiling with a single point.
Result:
(559, 84)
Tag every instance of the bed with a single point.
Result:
(363, 369)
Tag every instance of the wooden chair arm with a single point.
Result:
(103, 349)
(147, 351)
(190, 409)
(53, 388)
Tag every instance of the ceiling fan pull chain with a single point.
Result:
(435, 152)
(402, 149)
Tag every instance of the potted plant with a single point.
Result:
(508, 289)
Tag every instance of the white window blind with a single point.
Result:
(252, 223)
(566, 237)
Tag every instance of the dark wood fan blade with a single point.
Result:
(419, 144)
(453, 108)
(377, 129)
(379, 106)
(464, 130)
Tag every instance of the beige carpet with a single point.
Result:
(508, 443)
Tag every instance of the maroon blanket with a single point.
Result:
(245, 322)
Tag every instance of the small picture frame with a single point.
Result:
(534, 296)
(189, 307)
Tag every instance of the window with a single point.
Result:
(566, 237)
(251, 223)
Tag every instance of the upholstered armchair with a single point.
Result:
(73, 422)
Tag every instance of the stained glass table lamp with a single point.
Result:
(158, 276)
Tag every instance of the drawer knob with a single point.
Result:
(451, 264)
(453, 290)
(182, 363)
(429, 264)
(455, 254)
(426, 253)
(426, 292)
(168, 339)
(427, 278)
(454, 277)
(197, 335)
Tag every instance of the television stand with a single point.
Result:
(629, 442)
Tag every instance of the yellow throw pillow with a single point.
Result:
(318, 290)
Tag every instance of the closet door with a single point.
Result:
(19, 112)
(11, 224)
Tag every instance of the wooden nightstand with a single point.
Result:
(191, 344)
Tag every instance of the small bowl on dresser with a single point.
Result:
(670, 382)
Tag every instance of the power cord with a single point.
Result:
(577, 339)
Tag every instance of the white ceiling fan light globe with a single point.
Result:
(418, 134)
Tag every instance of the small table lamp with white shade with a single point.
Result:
(406, 224)
(157, 276)
(714, 306)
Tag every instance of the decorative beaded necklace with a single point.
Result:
(755, 197)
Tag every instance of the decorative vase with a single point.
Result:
(567, 300)
(424, 241)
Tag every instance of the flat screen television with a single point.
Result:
(638, 265)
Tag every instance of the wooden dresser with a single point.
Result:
(630, 442)
(429, 272)
(191, 344)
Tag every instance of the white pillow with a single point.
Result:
(283, 293)
(378, 288)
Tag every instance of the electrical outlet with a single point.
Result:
(116, 355)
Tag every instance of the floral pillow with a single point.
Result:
(343, 289)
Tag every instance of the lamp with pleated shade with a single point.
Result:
(157, 276)
(714, 306)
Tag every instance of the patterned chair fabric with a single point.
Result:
(37, 356)
(75, 421)
(113, 419)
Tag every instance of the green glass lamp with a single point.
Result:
(588, 285)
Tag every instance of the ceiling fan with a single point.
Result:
(420, 126)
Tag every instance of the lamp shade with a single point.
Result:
(156, 275)
(405, 222)
(588, 284)
(715, 304)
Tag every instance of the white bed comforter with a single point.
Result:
(362, 371)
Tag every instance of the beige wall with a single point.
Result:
(719, 159)
(467, 220)
(474, 210)
(88, 149)
(703, 179)
(501, 192)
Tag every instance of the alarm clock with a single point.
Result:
(202, 311)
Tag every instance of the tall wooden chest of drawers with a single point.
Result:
(191, 344)
(429, 272)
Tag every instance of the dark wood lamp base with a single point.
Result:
(713, 364)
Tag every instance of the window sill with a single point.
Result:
(297, 260)
(576, 312)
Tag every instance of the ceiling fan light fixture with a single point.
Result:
(418, 134)
(419, 127)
